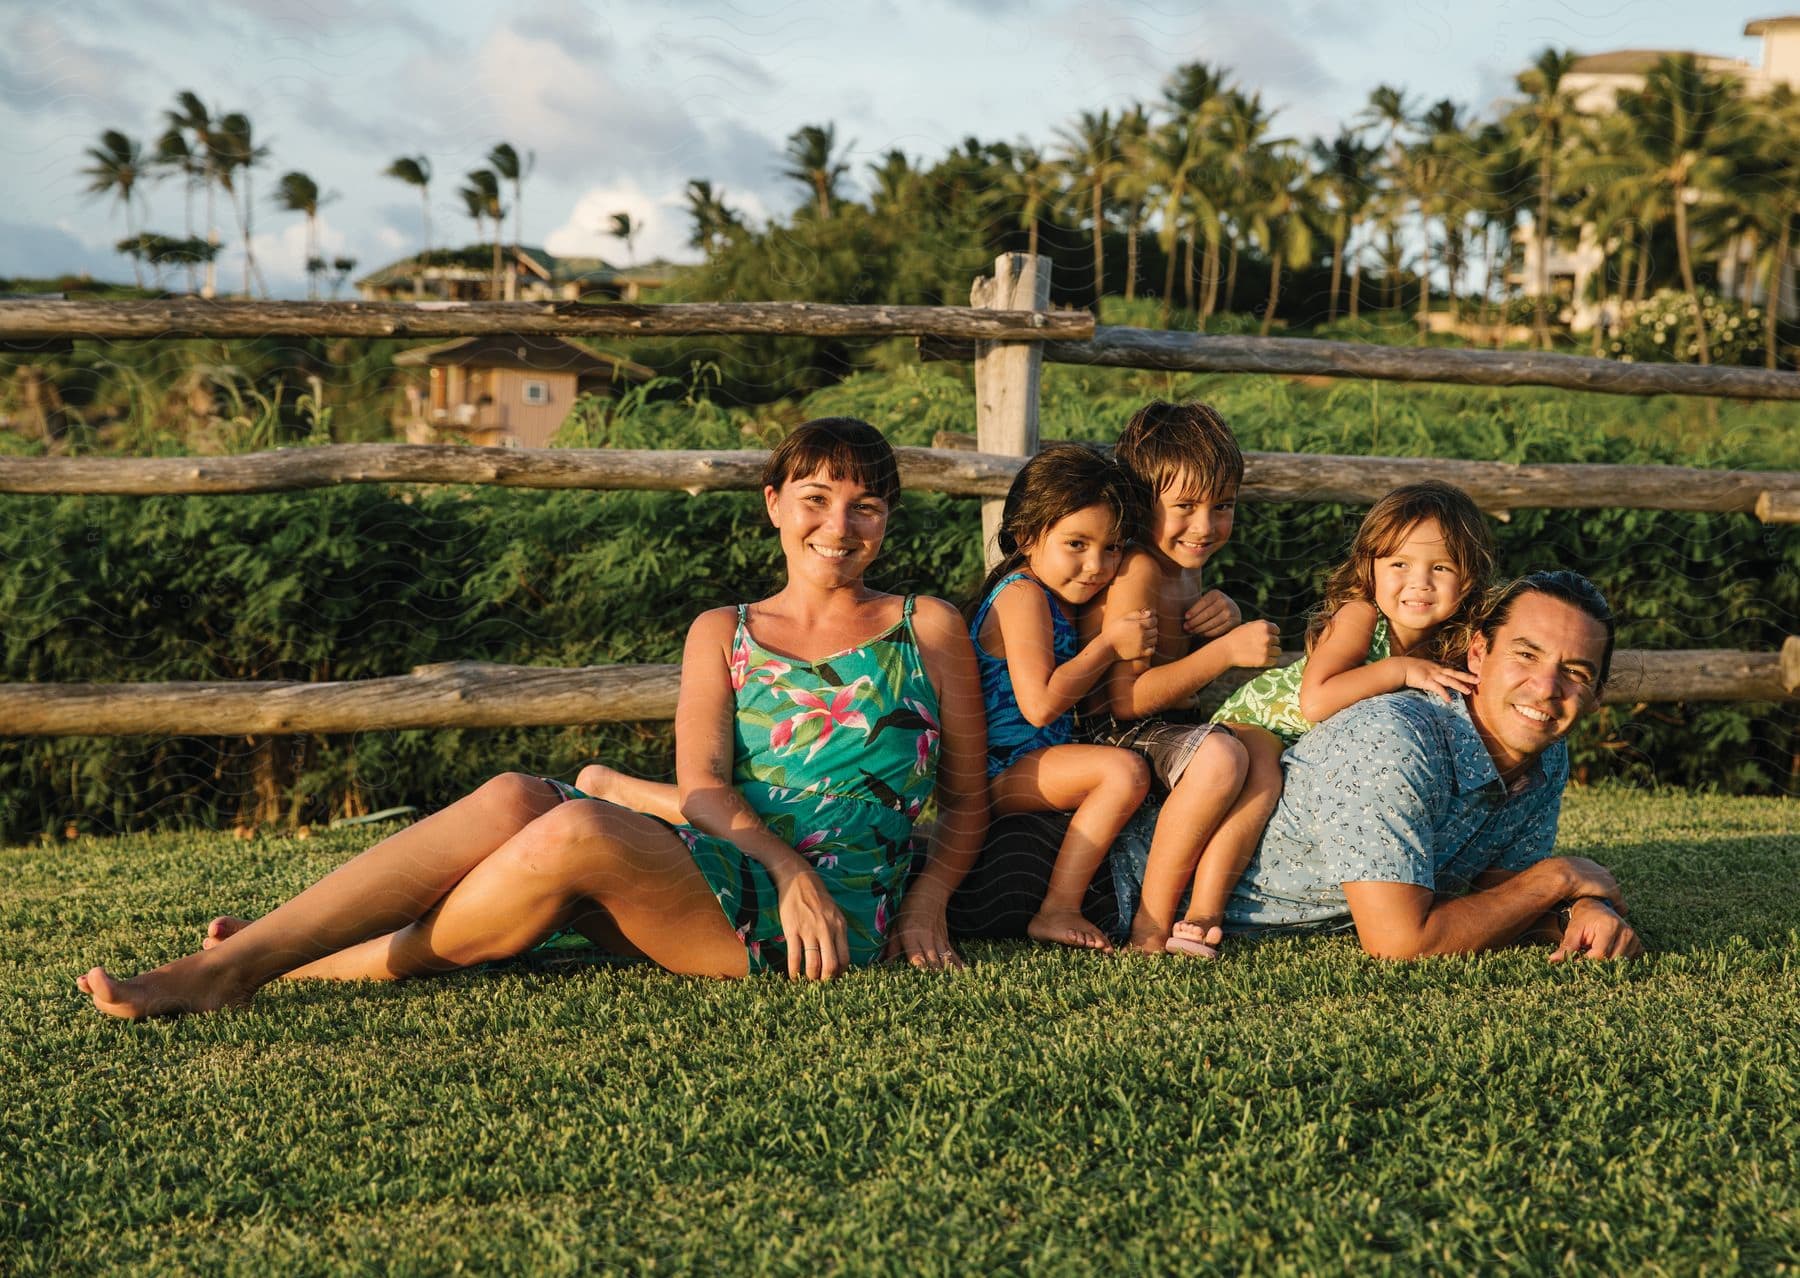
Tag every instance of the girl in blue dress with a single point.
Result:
(1062, 532)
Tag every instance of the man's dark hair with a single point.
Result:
(1570, 587)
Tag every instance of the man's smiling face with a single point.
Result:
(1539, 673)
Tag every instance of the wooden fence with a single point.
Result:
(1009, 332)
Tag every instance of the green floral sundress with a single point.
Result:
(837, 757)
(1272, 699)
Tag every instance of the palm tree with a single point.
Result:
(508, 165)
(1544, 119)
(191, 119)
(415, 170)
(1429, 167)
(475, 205)
(1132, 185)
(116, 167)
(1770, 216)
(234, 143)
(1244, 125)
(1684, 116)
(812, 154)
(1090, 156)
(622, 227)
(175, 157)
(894, 182)
(298, 193)
(1345, 165)
(1031, 179)
(714, 221)
(1282, 218)
(486, 185)
(1196, 96)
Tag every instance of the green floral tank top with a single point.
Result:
(1272, 699)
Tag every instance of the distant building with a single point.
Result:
(1596, 81)
(526, 275)
(510, 391)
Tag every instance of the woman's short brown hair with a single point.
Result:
(841, 447)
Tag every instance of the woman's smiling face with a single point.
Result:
(831, 529)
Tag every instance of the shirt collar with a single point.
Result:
(1471, 763)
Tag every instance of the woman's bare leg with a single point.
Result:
(1195, 807)
(658, 798)
(387, 887)
(542, 879)
(1103, 787)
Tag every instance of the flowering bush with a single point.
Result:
(1662, 331)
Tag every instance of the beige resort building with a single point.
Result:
(526, 275)
(1595, 82)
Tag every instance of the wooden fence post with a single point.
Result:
(1007, 374)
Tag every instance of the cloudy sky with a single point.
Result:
(623, 103)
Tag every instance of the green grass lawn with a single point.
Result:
(1294, 1108)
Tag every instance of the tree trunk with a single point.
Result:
(1099, 252)
(1687, 273)
(1339, 236)
(1168, 288)
(1268, 320)
(1131, 257)
(1231, 275)
(1031, 238)
(1540, 320)
(212, 238)
(1355, 286)
(1209, 302)
(1187, 282)
(1772, 295)
(1424, 280)
(425, 256)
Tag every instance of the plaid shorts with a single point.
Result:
(1168, 745)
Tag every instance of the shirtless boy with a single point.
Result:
(1189, 468)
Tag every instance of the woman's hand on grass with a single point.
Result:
(921, 936)
(818, 944)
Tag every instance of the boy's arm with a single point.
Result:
(1138, 688)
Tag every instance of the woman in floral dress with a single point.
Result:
(811, 727)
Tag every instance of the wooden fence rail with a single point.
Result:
(470, 694)
(1116, 347)
(29, 320)
(1496, 486)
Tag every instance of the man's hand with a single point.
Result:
(1590, 878)
(1211, 615)
(1595, 931)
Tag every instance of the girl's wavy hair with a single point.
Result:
(841, 447)
(1053, 485)
(1466, 537)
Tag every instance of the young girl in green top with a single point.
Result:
(1397, 614)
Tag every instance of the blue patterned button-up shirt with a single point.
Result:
(1395, 789)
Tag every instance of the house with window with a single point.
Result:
(525, 274)
(505, 391)
(1595, 82)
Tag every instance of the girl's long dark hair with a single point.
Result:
(1053, 485)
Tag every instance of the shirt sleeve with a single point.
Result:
(1539, 812)
(1373, 805)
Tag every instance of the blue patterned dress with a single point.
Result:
(1011, 736)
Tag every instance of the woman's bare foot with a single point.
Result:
(1059, 927)
(598, 781)
(1196, 938)
(174, 990)
(222, 928)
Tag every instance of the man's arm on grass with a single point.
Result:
(1405, 920)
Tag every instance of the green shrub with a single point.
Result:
(1661, 331)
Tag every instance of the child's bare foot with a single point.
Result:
(1196, 938)
(222, 928)
(1066, 927)
(180, 987)
(598, 781)
(1147, 938)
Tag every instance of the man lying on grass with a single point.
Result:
(1427, 821)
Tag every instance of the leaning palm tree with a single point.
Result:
(238, 151)
(1770, 203)
(622, 226)
(1133, 185)
(1282, 218)
(714, 221)
(813, 161)
(1090, 156)
(1031, 179)
(116, 167)
(176, 157)
(510, 167)
(1244, 140)
(1197, 97)
(486, 184)
(416, 171)
(1688, 132)
(191, 119)
(298, 193)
